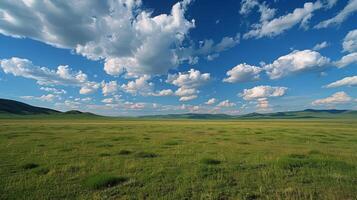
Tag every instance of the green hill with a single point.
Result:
(16, 108)
(304, 114)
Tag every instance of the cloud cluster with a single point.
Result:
(272, 27)
(350, 41)
(140, 86)
(337, 98)
(188, 83)
(47, 97)
(261, 94)
(226, 104)
(296, 62)
(243, 73)
(346, 60)
(263, 91)
(109, 88)
(347, 81)
(127, 37)
(211, 101)
(266, 13)
(63, 75)
(348, 10)
(53, 90)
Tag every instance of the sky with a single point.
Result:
(132, 57)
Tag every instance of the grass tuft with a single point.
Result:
(146, 155)
(210, 161)
(102, 181)
(124, 152)
(42, 171)
(104, 154)
(29, 166)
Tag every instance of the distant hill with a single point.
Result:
(190, 116)
(18, 108)
(12, 107)
(304, 114)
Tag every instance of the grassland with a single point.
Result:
(177, 159)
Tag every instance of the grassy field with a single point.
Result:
(177, 159)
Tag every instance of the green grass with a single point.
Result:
(108, 158)
(104, 181)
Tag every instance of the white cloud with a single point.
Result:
(243, 73)
(122, 33)
(108, 100)
(53, 90)
(211, 101)
(45, 76)
(347, 11)
(337, 98)
(350, 41)
(263, 91)
(346, 60)
(278, 25)
(226, 103)
(188, 98)
(140, 86)
(266, 13)
(188, 83)
(47, 97)
(208, 48)
(260, 95)
(263, 104)
(162, 93)
(109, 88)
(320, 46)
(347, 81)
(296, 62)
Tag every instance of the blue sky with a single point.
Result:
(130, 57)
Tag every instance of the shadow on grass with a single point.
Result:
(102, 181)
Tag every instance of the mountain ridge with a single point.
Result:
(17, 108)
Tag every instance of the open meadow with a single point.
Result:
(177, 159)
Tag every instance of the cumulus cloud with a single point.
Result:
(211, 101)
(350, 41)
(188, 83)
(226, 104)
(347, 81)
(337, 98)
(320, 46)
(53, 90)
(276, 26)
(263, 91)
(263, 104)
(109, 88)
(266, 13)
(295, 62)
(162, 93)
(47, 97)
(122, 33)
(346, 60)
(347, 11)
(207, 48)
(140, 86)
(261, 94)
(243, 73)
(45, 76)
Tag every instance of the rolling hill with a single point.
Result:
(16, 108)
(304, 114)
(11, 107)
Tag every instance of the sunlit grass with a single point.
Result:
(143, 159)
